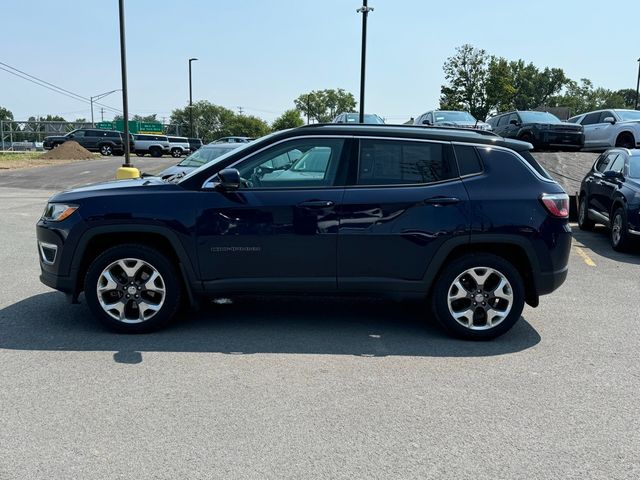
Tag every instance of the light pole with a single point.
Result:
(638, 85)
(191, 99)
(98, 97)
(365, 9)
(127, 170)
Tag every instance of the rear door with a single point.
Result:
(404, 201)
(600, 187)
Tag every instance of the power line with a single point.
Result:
(50, 86)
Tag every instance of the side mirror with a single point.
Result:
(612, 174)
(229, 179)
(426, 122)
(610, 120)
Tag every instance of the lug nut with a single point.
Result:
(127, 296)
(474, 303)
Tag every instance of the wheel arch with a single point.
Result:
(625, 132)
(510, 247)
(98, 239)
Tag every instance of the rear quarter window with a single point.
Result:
(469, 162)
(506, 163)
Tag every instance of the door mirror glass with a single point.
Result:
(609, 120)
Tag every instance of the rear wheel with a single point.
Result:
(478, 296)
(619, 233)
(625, 140)
(176, 152)
(132, 288)
(584, 222)
(155, 152)
(106, 150)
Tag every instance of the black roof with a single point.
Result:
(447, 134)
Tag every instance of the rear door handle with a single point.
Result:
(317, 204)
(441, 201)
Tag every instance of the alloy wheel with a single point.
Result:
(105, 150)
(616, 229)
(130, 290)
(480, 298)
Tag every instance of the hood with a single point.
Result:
(55, 137)
(114, 187)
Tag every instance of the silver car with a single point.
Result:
(203, 155)
(450, 118)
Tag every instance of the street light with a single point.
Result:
(365, 9)
(127, 170)
(98, 97)
(638, 85)
(191, 99)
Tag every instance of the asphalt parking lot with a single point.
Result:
(314, 388)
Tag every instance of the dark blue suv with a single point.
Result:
(464, 219)
(610, 194)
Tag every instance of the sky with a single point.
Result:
(262, 54)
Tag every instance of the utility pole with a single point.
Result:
(102, 114)
(240, 110)
(365, 9)
(638, 86)
(98, 97)
(191, 100)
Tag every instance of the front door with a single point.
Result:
(278, 231)
(407, 200)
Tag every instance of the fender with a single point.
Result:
(186, 267)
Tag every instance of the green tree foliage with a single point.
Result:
(323, 105)
(482, 84)
(139, 118)
(628, 96)
(289, 119)
(466, 74)
(583, 97)
(5, 114)
(211, 122)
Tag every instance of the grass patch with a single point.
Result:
(17, 160)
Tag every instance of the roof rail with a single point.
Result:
(399, 125)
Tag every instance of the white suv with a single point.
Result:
(610, 128)
(179, 146)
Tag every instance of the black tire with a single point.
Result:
(584, 222)
(168, 301)
(105, 150)
(625, 140)
(479, 261)
(527, 137)
(176, 152)
(155, 152)
(619, 231)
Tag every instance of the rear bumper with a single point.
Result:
(550, 281)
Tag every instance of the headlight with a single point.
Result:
(56, 212)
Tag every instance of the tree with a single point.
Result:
(289, 119)
(5, 114)
(323, 105)
(466, 74)
(583, 97)
(138, 118)
(628, 96)
(211, 122)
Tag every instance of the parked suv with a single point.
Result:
(465, 220)
(107, 142)
(610, 128)
(541, 129)
(450, 118)
(370, 118)
(194, 144)
(155, 145)
(610, 195)
(179, 146)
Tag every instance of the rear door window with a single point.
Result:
(393, 162)
(468, 160)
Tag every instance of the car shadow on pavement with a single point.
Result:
(598, 242)
(295, 325)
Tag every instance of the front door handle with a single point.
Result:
(317, 204)
(441, 201)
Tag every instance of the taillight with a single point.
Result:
(557, 204)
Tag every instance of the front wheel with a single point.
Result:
(478, 296)
(106, 150)
(584, 222)
(619, 233)
(132, 289)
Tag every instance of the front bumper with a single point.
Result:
(561, 139)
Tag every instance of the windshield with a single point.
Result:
(634, 166)
(204, 155)
(628, 115)
(538, 117)
(242, 146)
(368, 118)
(454, 117)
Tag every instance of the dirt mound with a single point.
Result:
(68, 151)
